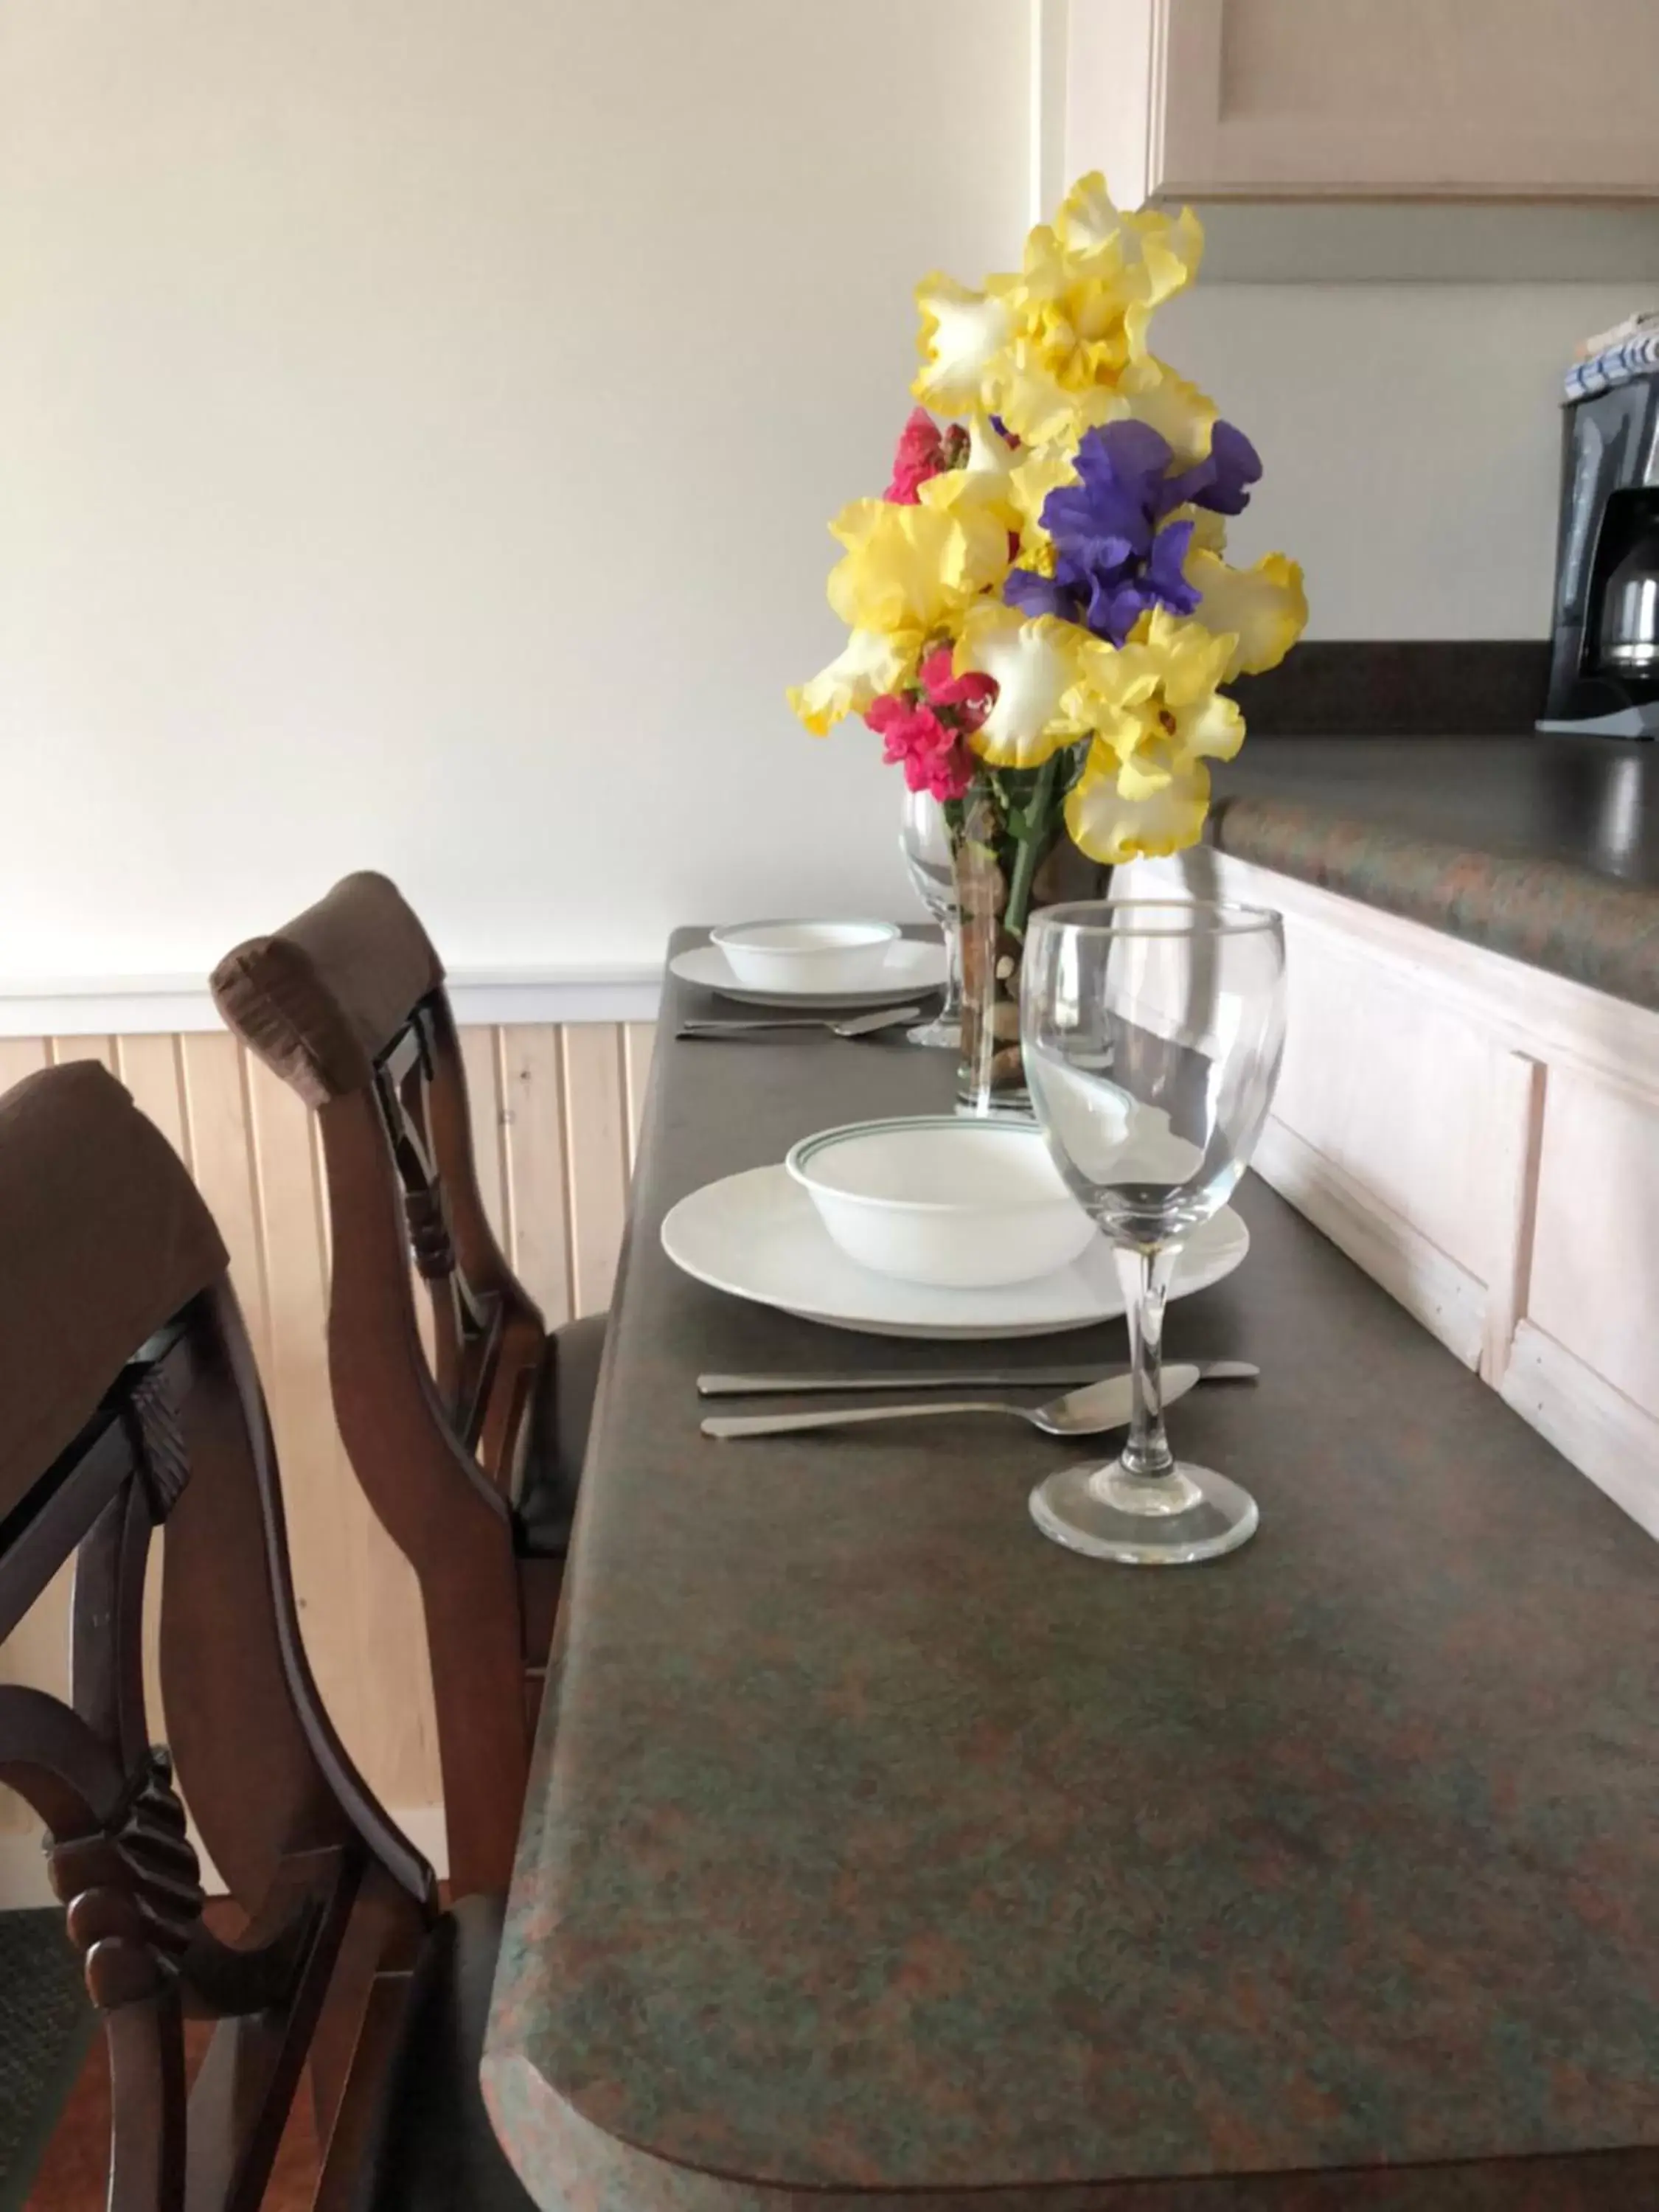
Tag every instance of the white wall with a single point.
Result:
(417, 424)
(1411, 437)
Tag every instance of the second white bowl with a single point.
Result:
(960, 1205)
(818, 957)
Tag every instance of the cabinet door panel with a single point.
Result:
(1595, 1244)
(1533, 99)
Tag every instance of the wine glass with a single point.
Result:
(925, 841)
(1152, 1032)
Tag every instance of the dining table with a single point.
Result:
(879, 1852)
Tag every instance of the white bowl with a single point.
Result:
(820, 957)
(959, 1205)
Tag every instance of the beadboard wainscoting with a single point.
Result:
(555, 1110)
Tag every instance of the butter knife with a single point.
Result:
(1087, 1412)
(998, 1378)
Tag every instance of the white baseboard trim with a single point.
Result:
(23, 1862)
(1449, 1301)
(171, 1005)
(1612, 1438)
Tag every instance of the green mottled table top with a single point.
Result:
(875, 1844)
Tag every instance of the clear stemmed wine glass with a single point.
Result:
(1184, 1005)
(925, 841)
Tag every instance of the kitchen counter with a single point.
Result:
(1546, 850)
(880, 1854)
(1469, 1099)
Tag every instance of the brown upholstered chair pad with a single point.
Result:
(433, 2148)
(103, 1237)
(560, 1415)
(320, 997)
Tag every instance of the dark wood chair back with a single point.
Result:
(346, 1003)
(129, 1401)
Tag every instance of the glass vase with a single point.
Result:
(927, 841)
(1012, 857)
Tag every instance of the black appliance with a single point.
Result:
(1604, 660)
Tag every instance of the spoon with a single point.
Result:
(858, 1025)
(1086, 1412)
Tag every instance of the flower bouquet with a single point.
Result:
(1041, 616)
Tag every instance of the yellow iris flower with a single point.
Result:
(962, 337)
(1157, 717)
(1154, 394)
(1036, 664)
(1081, 307)
(1111, 827)
(1054, 351)
(983, 485)
(1039, 469)
(906, 576)
(869, 664)
(1264, 607)
(1153, 705)
(1072, 321)
(913, 567)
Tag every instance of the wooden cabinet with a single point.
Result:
(1536, 100)
(1482, 1138)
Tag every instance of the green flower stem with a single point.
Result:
(1031, 846)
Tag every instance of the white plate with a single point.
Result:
(756, 1236)
(915, 966)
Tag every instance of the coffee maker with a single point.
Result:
(1604, 660)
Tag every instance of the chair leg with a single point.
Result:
(351, 2046)
(358, 2101)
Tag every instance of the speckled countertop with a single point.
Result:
(1544, 848)
(875, 1844)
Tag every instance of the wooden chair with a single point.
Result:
(129, 1400)
(471, 1461)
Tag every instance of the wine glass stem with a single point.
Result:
(950, 931)
(1145, 1277)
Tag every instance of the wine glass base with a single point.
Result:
(943, 1031)
(1192, 1514)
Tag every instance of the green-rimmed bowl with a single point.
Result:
(959, 1205)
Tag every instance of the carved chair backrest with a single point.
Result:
(346, 1003)
(129, 1400)
(488, 1335)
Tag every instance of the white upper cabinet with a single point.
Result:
(1502, 100)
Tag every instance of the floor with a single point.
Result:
(74, 2174)
(46, 2026)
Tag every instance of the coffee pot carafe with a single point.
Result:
(1604, 652)
(1628, 643)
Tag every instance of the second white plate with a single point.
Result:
(915, 966)
(756, 1236)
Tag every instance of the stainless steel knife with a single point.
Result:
(1094, 1411)
(996, 1378)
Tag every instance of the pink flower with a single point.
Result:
(921, 455)
(933, 757)
(973, 696)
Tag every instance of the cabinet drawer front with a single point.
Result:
(1404, 98)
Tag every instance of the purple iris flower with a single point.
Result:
(1222, 480)
(1116, 554)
